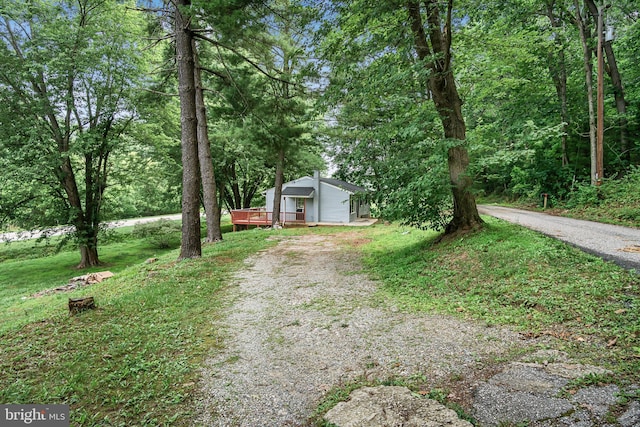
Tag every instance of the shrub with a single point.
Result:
(629, 214)
(585, 195)
(161, 234)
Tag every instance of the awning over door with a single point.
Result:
(299, 192)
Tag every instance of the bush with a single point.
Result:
(161, 234)
(585, 195)
(629, 214)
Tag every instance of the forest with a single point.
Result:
(114, 109)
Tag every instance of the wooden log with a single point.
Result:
(77, 305)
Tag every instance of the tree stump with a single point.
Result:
(77, 305)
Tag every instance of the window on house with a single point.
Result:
(354, 205)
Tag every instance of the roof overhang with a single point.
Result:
(298, 192)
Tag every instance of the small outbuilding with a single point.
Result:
(321, 200)
(310, 200)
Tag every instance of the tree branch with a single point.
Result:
(448, 35)
(215, 73)
(255, 65)
(157, 92)
(420, 38)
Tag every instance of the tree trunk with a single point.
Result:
(88, 257)
(86, 234)
(249, 194)
(278, 186)
(191, 246)
(616, 80)
(222, 196)
(558, 71)
(235, 187)
(88, 245)
(210, 201)
(587, 51)
(448, 104)
(621, 103)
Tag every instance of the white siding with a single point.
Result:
(310, 210)
(290, 205)
(334, 204)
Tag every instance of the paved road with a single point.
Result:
(610, 242)
(58, 231)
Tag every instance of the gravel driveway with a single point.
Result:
(610, 242)
(303, 319)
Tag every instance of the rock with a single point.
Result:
(76, 282)
(574, 370)
(529, 392)
(494, 405)
(91, 278)
(597, 399)
(391, 406)
(529, 378)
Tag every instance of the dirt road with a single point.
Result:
(615, 243)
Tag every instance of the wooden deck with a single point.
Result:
(263, 218)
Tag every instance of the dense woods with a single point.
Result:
(111, 109)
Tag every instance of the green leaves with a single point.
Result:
(67, 74)
(387, 135)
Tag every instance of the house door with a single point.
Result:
(300, 209)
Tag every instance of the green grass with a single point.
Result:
(507, 275)
(135, 360)
(29, 266)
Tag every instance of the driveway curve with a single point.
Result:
(615, 243)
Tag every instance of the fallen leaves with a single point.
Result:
(633, 249)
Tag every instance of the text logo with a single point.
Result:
(34, 415)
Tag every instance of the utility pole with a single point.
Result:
(600, 100)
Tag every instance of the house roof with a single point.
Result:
(306, 192)
(344, 185)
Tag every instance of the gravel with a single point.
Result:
(303, 319)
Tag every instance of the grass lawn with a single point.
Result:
(135, 359)
(508, 275)
(28, 267)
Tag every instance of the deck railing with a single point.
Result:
(258, 216)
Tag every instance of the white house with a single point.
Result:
(320, 200)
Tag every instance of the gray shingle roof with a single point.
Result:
(344, 185)
(298, 191)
